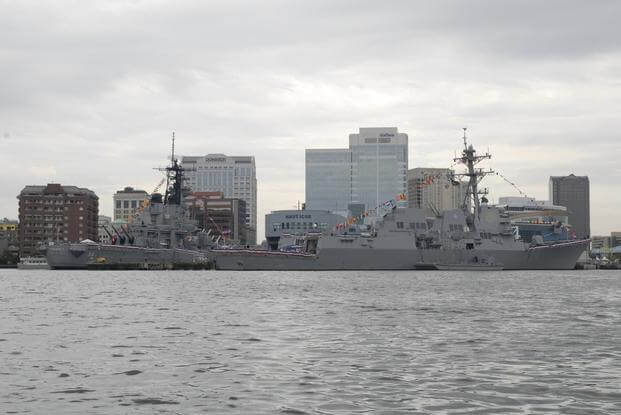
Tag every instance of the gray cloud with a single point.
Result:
(90, 91)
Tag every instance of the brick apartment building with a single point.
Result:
(55, 213)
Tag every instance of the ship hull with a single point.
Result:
(551, 257)
(99, 256)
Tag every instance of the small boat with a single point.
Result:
(469, 267)
(476, 263)
(31, 262)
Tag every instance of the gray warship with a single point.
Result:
(479, 236)
(162, 235)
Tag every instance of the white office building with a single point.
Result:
(234, 176)
(127, 201)
(372, 171)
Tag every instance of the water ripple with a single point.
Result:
(311, 343)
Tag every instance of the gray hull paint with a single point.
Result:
(559, 256)
(161, 235)
(82, 256)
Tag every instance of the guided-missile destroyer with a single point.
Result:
(479, 236)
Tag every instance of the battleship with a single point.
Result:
(162, 235)
(478, 236)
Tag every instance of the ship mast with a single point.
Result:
(475, 175)
(174, 179)
(172, 154)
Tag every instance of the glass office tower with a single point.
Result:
(379, 165)
(328, 179)
(372, 171)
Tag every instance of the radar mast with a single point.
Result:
(475, 175)
(174, 179)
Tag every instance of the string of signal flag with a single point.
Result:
(391, 204)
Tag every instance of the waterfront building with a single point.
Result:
(227, 218)
(328, 179)
(127, 201)
(379, 166)
(536, 217)
(103, 223)
(55, 212)
(435, 188)
(615, 239)
(606, 247)
(615, 246)
(8, 240)
(548, 231)
(529, 209)
(195, 202)
(224, 217)
(371, 171)
(8, 229)
(235, 176)
(298, 222)
(600, 245)
(573, 193)
(4, 249)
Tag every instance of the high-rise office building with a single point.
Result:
(126, 202)
(55, 212)
(328, 179)
(573, 193)
(435, 188)
(379, 165)
(236, 177)
(372, 171)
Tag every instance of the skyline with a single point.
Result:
(92, 94)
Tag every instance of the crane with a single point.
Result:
(146, 202)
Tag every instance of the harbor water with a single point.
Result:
(310, 342)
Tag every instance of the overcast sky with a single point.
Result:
(90, 92)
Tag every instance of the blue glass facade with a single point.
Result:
(328, 179)
(372, 171)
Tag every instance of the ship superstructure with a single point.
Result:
(161, 235)
(417, 238)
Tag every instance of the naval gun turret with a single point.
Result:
(121, 238)
(130, 238)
